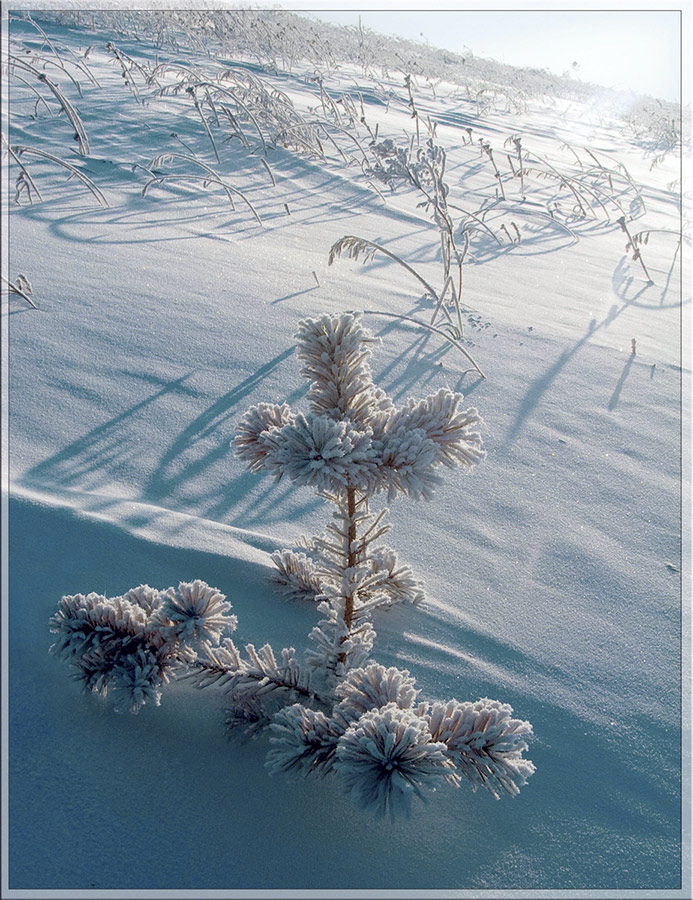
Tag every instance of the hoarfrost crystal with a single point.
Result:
(387, 757)
(197, 611)
(355, 436)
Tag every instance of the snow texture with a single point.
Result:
(555, 577)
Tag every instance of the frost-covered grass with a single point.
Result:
(554, 573)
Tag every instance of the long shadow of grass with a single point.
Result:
(418, 364)
(622, 283)
(541, 385)
(613, 402)
(171, 473)
(99, 451)
(422, 363)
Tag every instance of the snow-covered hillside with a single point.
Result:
(553, 572)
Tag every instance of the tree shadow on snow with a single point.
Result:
(185, 470)
(180, 464)
(95, 455)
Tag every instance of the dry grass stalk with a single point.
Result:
(22, 288)
(632, 246)
(18, 151)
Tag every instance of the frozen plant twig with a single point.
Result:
(632, 246)
(127, 64)
(210, 177)
(451, 339)
(487, 150)
(75, 60)
(18, 151)
(355, 247)
(21, 287)
(71, 112)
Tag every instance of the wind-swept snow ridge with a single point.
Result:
(157, 524)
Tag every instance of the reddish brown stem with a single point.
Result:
(351, 557)
(351, 561)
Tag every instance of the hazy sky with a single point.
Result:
(636, 49)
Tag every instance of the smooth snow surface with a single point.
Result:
(553, 571)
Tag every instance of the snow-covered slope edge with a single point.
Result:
(156, 524)
(108, 775)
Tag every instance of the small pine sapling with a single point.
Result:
(336, 712)
(353, 444)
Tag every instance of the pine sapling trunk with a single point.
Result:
(351, 561)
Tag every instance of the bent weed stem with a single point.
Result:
(631, 245)
(439, 331)
(43, 154)
(22, 287)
